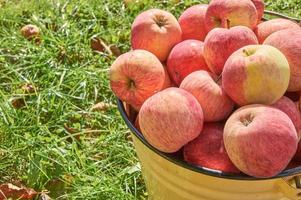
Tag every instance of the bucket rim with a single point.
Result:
(198, 169)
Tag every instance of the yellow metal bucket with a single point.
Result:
(169, 178)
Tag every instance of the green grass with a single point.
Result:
(96, 159)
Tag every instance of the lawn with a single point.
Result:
(50, 137)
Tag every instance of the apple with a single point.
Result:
(220, 43)
(206, 88)
(288, 42)
(31, 32)
(185, 58)
(256, 74)
(156, 31)
(260, 140)
(259, 5)
(208, 150)
(265, 29)
(192, 22)
(230, 13)
(289, 107)
(170, 119)
(135, 76)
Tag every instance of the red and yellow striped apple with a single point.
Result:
(170, 119)
(288, 42)
(192, 22)
(185, 58)
(156, 31)
(206, 88)
(289, 107)
(230, 13)
(135, 76)
(208, 150)
(256, 74)
(265, 29)
(220, 43)
(259, 5)
(260, 140)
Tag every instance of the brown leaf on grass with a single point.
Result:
(101, 106)
(115, 50)
(9, 190)
(29, 88)
(99, 44)
(18, 102)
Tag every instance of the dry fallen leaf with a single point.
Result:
(97, 44)
(9, 190)
(101, 106)
(18, 102)
(115, 50)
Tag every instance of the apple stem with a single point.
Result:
(218, 78)
(131, 84)
(246, 52)
(228, 24)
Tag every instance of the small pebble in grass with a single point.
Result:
(18, 103)
(31, 32)
(28, 88)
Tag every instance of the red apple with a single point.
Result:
(206, 88)
(170, 119)
(156, 31)
(220, 43)
(256, 74)
(260, 140)
(192, 22)
(259, 5)
(135, 76)
(208, 150)
(289, 107)
(185, 58)
(31, 32)
(288, 42)
(230, 13)
(265, 29)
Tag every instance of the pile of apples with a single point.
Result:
(218, 85)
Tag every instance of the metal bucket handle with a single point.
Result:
(290, 187)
